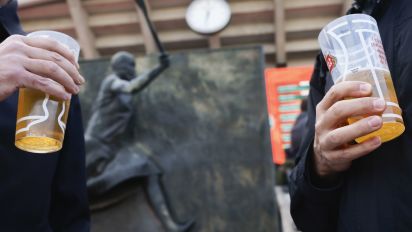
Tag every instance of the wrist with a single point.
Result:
(321, 174)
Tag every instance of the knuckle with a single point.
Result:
(318, 126)
(345, 154)
(333, 138)
(48, 87)
(363, 126)
(333, 92)
(13, 45)
(15, 76)
(56, 57)
(318, 108)
(30, 81)
(318, 147)
(336, 110)
(19, 73)
(13, 57)
(52, 67)
(364, 104)
(369, 104)
(322, 142)
(40, 83)
(15, 37)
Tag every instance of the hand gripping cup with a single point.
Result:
(353, 51)
(41, 118)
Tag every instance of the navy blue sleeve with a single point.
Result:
(69, 204)
(313, 207)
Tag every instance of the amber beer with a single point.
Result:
(382, 87)
(41, 118)
(41, 121)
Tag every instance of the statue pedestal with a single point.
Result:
(131, 215)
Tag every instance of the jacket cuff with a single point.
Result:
(313, 191)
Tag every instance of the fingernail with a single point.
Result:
(81, 79)
(77, 65)
(365, 87)
(375, 121)
(76, 89)
(379, 104)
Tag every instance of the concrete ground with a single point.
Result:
(283, 200)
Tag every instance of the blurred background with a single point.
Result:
(235, 177)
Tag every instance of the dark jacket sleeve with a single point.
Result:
(69, 204)
(313, 208)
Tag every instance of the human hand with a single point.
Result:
(38, 63)
(333, 152)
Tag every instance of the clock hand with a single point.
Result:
(207, 16)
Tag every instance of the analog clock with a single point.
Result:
(208, 16)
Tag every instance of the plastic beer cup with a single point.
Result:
(41, 118)
(353, 51)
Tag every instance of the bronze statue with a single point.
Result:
(110, 160)
(113, 108)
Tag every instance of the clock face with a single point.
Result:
(208, 16)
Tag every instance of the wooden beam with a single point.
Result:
(31, 3)
(247, 29)
(301, 45)
(214, 41)
(84, 33)
(102, 6)
(312, 3)
(113, 19)
(346, 5)
(149, 43)
(53, 10)
(115, 41)
(57, 24)
(308, 24)
(280, 32)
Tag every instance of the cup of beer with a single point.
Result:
(41, 118)
(353, 51)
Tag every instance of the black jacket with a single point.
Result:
(375, 194)
(298, 129)
(40, 192)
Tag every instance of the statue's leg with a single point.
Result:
(98, 156)
(158, 200)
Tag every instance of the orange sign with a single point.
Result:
(285, 87)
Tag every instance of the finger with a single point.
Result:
(51, 45)
(41, 54)
(343, 135)
(53, 71)
(345, 89)
(43, 84)
(344, 109)
(353, 152)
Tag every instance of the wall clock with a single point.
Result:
(208, 16)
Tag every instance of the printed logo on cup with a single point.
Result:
(330, 62)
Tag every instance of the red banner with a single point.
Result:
(285, 87)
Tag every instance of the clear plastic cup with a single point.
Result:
(353, 51)
(41, 118)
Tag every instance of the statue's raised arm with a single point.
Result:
(124, 67)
